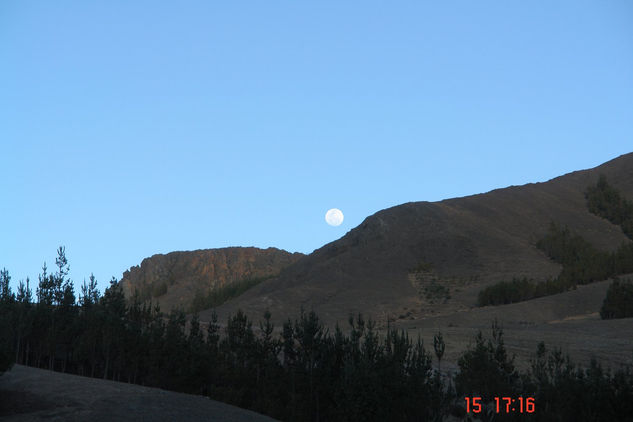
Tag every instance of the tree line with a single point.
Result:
(582, 262)
(218, 295)
(607, 202)
(303, 372)
(619, 300)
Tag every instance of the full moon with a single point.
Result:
(334, 217)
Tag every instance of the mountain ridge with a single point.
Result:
(465, 243)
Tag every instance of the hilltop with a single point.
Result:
(429, 258)
(174, 279)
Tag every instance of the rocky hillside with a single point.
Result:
(428, 258)
(173, 279)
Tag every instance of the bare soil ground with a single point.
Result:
(30, 394)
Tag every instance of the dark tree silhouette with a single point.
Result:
(439, 346)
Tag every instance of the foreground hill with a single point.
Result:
(174, 279)
(30, 394)
(428, 258)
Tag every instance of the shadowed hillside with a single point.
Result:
(421, 258)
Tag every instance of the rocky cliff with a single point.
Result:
(173, 279)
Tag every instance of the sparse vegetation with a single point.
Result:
(428, 285)
(506, 292)
(605, 201)
(217, 296)
(422, 266)
(582, 262)
(435, 291)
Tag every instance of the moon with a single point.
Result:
(334, 217)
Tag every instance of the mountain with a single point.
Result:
(174, 279)
(423, 259)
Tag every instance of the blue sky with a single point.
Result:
(134, 128)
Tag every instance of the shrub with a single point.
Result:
(619, 300)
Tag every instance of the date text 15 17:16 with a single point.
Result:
(503, 404)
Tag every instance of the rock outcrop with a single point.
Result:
(173, 279)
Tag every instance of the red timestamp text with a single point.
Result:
(503, 404)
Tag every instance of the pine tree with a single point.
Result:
(439, 346)
(24, 293)
(24, 321)
(485, 370)
(89, 293)
(6, 295)
(45, 294)
(114, 309)
(7, 353)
